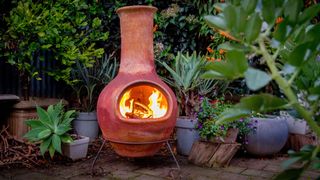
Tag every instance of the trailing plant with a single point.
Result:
(208, 115)
(51, 128)
(69, 30)
(185, 79)
(288, 44)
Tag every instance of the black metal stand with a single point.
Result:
(104, 142)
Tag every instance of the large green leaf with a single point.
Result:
(51, 150)
(216, 22)
(253, 27)
(309, 13)
(44, 117)
(256, 79)
(249, 5)
(34, 123)
(32, 135)
(62, 128)
(232, 114)
(271, 10)
(56, 142)
(45, 145)
(232, 46)
(44, 134)
(292, 9)
(282, 31)
(301, 54)
(229, 16)
(233, 68)
(66, 138)
(262, 103)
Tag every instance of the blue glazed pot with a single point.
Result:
(270, 136)
(186, 134)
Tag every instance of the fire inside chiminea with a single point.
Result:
(137, 111)
(143, 102)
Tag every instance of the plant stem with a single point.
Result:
(285, 86)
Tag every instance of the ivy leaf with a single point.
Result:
(256, 79)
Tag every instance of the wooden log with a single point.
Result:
(223, 155)
(202, 152)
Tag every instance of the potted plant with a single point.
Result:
(226, 133)
(89, 83)
(51, 131)
(38, 28)
(189, 87)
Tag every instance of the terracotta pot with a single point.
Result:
(130, 134)
(25, 110)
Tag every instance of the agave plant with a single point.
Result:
(185, 79)
(51, 128)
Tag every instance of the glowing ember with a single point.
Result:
(139, 103)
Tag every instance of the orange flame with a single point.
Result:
(136, 107)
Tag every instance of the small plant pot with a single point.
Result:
(186, 134)
(78, 149)
(86, 124)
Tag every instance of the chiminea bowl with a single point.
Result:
(136, 131)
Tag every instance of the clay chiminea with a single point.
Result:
(137, 111)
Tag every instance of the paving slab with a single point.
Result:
(34, 176)
(259, 173)
(121, 174)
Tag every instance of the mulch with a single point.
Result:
(15, 153)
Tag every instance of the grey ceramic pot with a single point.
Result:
(86, 124)
(270, 136)
(186, 134)
(77, 149)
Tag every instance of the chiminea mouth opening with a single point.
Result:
(142, 102)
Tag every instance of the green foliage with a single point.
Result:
(51, 128)
(209, 113)
(289, 46)
(68, 29)
(91, 80)
(185, 79)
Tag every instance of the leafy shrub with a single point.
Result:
(51, 128)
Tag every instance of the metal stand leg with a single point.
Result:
(174, 157)
(95, 159)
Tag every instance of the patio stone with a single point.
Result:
(124, 174)
(147, 177)
(273, 168)
(311, 174)
(159, 172)
(35, 176)
(254, 172)
(233, 169)
(228, 176)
